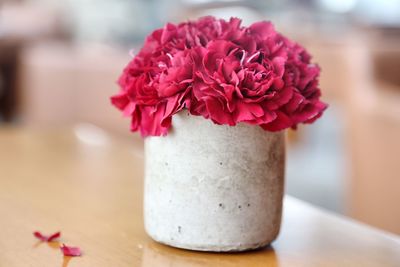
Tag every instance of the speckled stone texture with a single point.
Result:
(214, 187)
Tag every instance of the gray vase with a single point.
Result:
(214, 187)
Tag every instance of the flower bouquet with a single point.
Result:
(212, 98)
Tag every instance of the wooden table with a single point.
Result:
(89, 185)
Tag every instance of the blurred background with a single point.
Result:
(59, 61)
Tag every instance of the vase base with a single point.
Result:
(216, 248)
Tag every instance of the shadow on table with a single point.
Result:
(158, 255)
(52, 244)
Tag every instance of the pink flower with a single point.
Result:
(234, 85)
(153, 89)
(223, 72)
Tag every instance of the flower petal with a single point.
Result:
(46, 238)
(70, 251)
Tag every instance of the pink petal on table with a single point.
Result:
(70, 251)
(46, 238)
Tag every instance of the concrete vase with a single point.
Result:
(214, 187)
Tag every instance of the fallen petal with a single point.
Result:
(46, 238)
(70, 251)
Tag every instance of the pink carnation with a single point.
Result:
(222, 71)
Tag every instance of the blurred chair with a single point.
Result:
(22, 23)
(62, 85)
(9, 52)
(374, 131)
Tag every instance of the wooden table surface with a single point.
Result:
(88, 185)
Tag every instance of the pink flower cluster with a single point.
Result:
(222, 71)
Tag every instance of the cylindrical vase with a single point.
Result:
(214, 187)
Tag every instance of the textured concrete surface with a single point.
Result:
(214, 188)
